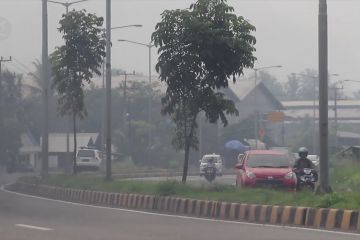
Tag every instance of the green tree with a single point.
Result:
(291, 88)
(75, 63)
(200, 49)
(302, 86)
(11, 116)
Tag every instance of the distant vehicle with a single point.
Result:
(217, 161)
(210, 171)
(88, 159)
(265, 168)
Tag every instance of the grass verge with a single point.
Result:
(341, 199)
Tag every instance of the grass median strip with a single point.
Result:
(341, 200)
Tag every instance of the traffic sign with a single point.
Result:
(275, 117)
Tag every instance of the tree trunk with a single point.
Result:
(187, 150)
(75, 146)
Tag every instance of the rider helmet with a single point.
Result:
(303, 152)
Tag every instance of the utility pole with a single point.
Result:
(149, 46)
(126, 112)
(150, 105)
(324, 186)
(256, 122)
(125, 92)
(108, 90)
(45, 78)
(336, 98)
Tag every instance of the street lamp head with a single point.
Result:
(261, 68)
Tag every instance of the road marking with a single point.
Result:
(34, 227)
(2, 188)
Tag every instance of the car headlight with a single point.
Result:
(250, 174)
(290, 175)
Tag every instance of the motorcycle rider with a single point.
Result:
(302, 162)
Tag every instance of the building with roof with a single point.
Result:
(249, 98)
(30, 150)
(344, 112)
(347, 110)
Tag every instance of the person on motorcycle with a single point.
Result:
(303, 162)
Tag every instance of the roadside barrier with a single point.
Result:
(324, 218)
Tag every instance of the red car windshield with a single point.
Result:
(268, 161)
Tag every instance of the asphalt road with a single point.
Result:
(28, 218)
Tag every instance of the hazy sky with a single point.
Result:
(286, 32)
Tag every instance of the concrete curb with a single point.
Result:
(329, 219)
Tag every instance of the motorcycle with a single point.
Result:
(210, 172)
(306, 178)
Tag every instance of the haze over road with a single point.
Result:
(28, 218)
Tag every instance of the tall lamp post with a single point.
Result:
(149, 46)
(67, 5)
(108, 90)
(45, 77)
(256, 122)
(103, 86)
(108, 86)
(324, 186)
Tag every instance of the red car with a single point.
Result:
(265, 168)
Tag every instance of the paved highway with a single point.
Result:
(29, 218)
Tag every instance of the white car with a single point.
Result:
(216, 159)
(88, 158)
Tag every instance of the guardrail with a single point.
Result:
(330, 219)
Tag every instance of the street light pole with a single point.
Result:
(108, 90)
(324, 186)
(256, 131)
(150, 87)
(45, 77)
(67, 4)
(108, 86)
(150, 105)
(256, 122)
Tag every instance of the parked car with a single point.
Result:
(216, 159)
(265, 168)
(88, 159)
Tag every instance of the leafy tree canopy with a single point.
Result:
(200, 48)
(75, 63)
